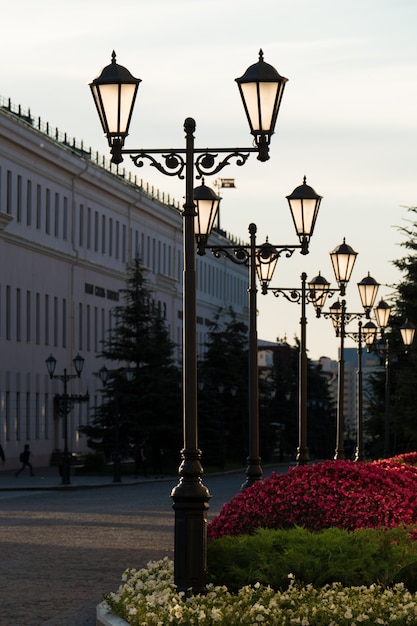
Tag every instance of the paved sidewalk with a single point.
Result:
(49, 478)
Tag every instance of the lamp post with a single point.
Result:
(103, 373)
(304, 205)
(114, 91)
(317, 292)
(78, 363)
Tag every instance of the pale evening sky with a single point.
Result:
(347, 120)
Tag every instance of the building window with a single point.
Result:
(64, 323)
(80, 326)
(65, 220)
(7, 415)
(46, 320)
(18, 316)
(29, 203)
(117, 238)
(8, 313)
(38, 319)
(46, 418)
(81, 227)
(88, 330)
(19, 200)
(124, 243)
(9, 192)
(37, 416)
(56, 230)
(28, 316)
(18, 417)
(28, 413)
(95, 231)
(55, 322)
(38, 206)
(103, 234)
(110, 236)
(48, 212)
(88, 228)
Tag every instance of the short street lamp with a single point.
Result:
(78, 363)
(316, 293)
(343, 258)
(104, 374)
(114, 92)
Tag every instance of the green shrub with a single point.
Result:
(362, 557)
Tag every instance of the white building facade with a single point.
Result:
(69, 227)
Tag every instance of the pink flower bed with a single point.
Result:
(332, 493)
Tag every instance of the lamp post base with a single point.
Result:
(253, 472)
(191, 500)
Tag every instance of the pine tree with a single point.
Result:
(223, 394)
(149, 406)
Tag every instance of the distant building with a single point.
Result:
(69, 226)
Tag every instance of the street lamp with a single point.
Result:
(304, 205)
(104, 373)
(114, 92)
(318, 289)
(78, 363)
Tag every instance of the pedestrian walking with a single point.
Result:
(2, 455)
(24, 459)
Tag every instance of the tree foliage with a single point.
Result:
(149, 405)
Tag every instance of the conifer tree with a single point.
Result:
(149, 406)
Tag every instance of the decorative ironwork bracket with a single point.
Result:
(207, 162)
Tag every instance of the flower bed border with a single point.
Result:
(104, 618)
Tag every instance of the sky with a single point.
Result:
(347, 121)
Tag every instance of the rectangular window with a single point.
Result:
(28, 316)
(124, 243)
(55, 321)
(95, 329)
(81, 227)
(46, 316)
(103, 234)
(80, 326)
(9, 192)
(88, 228)
(7, 415)
(18, 316)
(117, 238)
(37, 416)
(38, 206)
(88, 330)
(64, 323)
(95, 231)
(38, 319)
(48, 212)
(28, 412)
(46, 421)
(18, 417)
(19, 200)
(110, 236)
(56, 224)
(29, 203)
(65, 220)
(8, 313)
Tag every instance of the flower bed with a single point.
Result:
(332, 493)
(148, 598)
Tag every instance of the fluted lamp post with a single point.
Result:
(114, 91)
(78, 363)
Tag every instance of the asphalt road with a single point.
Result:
(61, 550)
